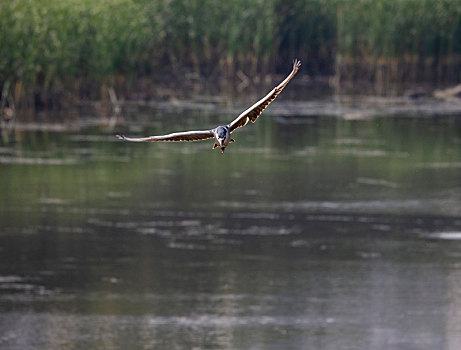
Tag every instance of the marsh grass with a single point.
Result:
(399, 40)
(49, 48)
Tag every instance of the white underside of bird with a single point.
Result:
(222, 133)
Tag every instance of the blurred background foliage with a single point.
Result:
(54, 47)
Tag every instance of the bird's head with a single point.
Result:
(221, 133)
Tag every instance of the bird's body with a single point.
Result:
(222, 133)
(222, 136)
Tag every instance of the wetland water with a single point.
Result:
(309, 233)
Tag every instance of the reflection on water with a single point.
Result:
(308, 233)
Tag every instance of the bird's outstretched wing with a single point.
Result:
(177, 136)
(255, 111)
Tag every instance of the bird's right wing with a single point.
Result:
(255, 111)
(177, 136)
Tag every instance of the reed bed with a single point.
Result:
(51, 47)
(399, 40)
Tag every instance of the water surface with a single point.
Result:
(310, 232)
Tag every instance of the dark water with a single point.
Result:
(309, 233)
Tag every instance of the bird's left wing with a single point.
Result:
(177, 136)
(255, 111)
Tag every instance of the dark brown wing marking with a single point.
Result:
(177, 136)
(255, 111)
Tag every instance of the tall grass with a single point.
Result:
(48, 42)
(48, 47)
(307, 28)
(399, 40)
(212, 35)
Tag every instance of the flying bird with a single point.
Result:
(222, 133)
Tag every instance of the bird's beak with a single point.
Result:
(222, 150)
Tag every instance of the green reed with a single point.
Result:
(407, 39)
(82, 45)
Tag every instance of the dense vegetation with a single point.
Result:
(82, 45)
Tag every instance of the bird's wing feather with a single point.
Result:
(255, 111)
(177, 136)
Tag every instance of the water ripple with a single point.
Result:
(453, 235)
